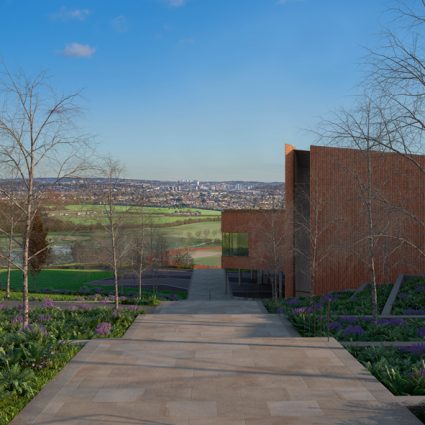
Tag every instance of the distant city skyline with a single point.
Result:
(207, 90)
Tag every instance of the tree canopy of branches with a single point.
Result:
(38, 137)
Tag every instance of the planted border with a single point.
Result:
(32, 356)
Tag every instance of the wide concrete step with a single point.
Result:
(209, 327)
(212, 307)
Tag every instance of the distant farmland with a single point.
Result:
(183, 227)
(89, 215)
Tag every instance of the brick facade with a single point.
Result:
(338, 197)
(261, 226)
(326, 218)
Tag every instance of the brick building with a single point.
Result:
(253, 240)
(326, 224)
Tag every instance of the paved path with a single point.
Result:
(208, 284)
(222, 362)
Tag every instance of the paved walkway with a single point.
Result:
(208, 284)
(222, 362)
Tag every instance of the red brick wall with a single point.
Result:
(260, 226)
(336, 179)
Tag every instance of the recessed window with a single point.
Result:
(235, 244)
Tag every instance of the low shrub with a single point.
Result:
(400, 369)
(347, 317)
(410, 298)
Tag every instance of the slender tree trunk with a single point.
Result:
(115, 265)
(371, 241)
(140, 284)
(9, 257)
(25, 257)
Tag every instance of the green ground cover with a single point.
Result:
(410, 298)
(341, 303)
(17, 296)
(55, 279)
(150, 297)
(346, 316)
(349, 317)
(401, 370)
(30, 357)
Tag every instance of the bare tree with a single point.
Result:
(269, 229)
(363, 130)
(37, 137)
(397, 80)
(112, 171)
(314, 226)
(142, 258)
(397, 83)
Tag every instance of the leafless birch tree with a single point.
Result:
(112, 171)
(37, 138)
(315, 229)
(142, 260)
(363, 130)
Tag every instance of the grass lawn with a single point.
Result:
(68, 283)
(69, 279)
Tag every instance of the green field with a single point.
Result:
(182, 231)
(85, 215)
(67, 279)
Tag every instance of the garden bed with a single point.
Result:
(346, 316)
(400, 369)
(30, 357)
(410, 299)
(150, 297)
(321, 316)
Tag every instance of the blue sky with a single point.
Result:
(199, 89)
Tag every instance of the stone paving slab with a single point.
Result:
(224, 369)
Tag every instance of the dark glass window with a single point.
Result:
(235, 244)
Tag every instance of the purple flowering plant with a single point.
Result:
(103, 328)
(353, 331)
(48, 303)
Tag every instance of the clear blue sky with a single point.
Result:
(205, 89)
